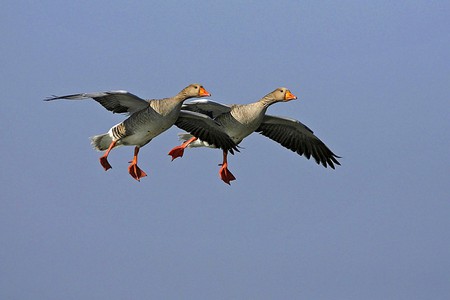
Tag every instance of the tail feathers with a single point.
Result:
(184, 136)
(197, 143)
(101, 142)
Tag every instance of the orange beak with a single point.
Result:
(203, 92)
(289, 96)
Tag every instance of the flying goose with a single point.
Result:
(239, 121)
(147, 119)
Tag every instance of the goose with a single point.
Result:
(147, 119)
(239, 121)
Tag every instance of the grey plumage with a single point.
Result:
(147, 119)
(239, 121)
(101, 142)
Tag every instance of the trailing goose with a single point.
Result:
(239, 121)
(147, 119)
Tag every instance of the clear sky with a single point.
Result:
(373, 81)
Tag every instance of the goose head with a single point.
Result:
(281, 94)
(194, 91)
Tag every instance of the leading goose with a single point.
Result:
(239, 121)
(147, 119)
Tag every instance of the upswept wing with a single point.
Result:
(207, 107)
(115, 101)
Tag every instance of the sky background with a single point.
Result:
(373, 82)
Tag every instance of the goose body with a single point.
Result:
(147, 119)
(142, 126)
(239, 121)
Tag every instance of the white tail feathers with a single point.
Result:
(197, 143)
(101, 142)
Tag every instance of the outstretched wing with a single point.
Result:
(297, 137)
(115, 101)
(207, 107)
(206, 129)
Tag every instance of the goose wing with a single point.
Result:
(206, 129)
(294, 135)
(115, 101)
(207, 107)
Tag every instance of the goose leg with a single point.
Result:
(133, 168)
(104, 159)
(178, 151)
(224, 173)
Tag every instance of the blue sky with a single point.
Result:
(373, 83)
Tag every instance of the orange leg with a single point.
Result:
(104, 159)
(179, 150)
(133, 168)
(224, 173)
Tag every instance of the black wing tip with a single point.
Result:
(67, 97)
(331, 161)
(52, 97)
(232, 149)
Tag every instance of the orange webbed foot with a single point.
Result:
(104, 162)
(136, 172)
(226, 175)
(176, 152)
